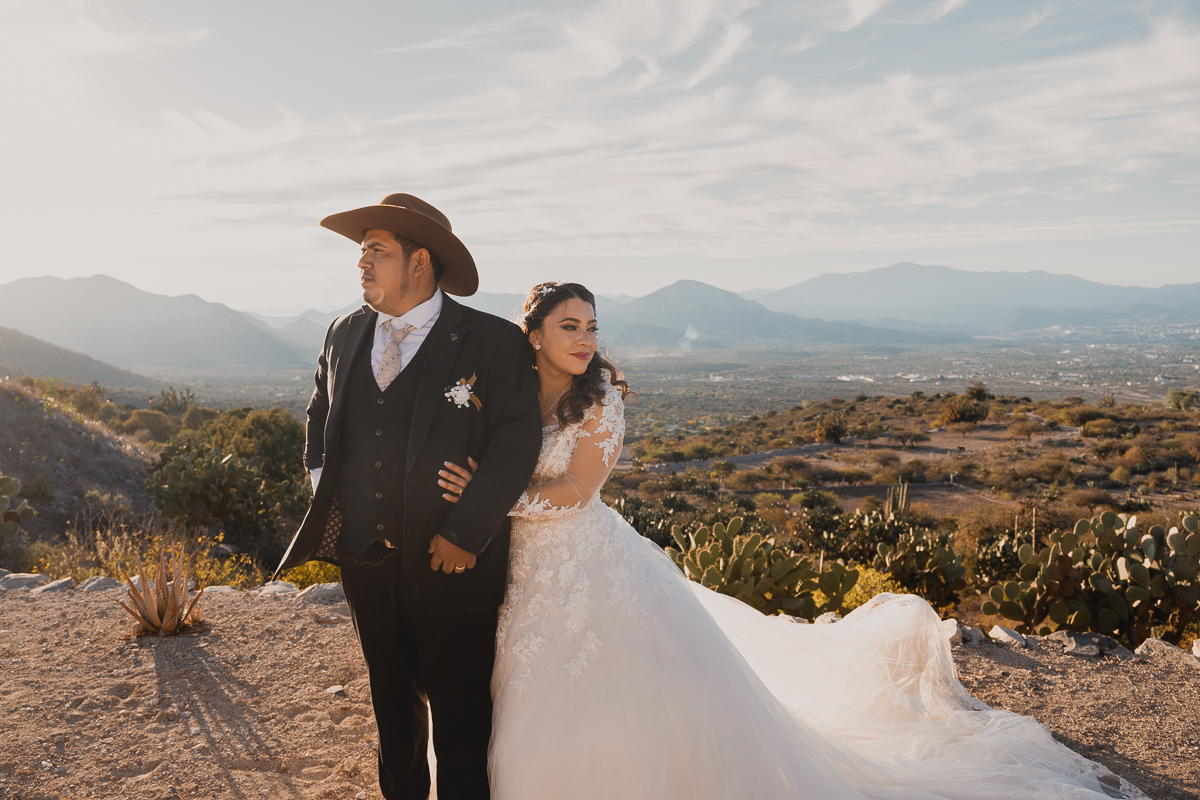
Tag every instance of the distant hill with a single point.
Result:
(943, 297)
(24, 356)
(703, 316)
(115, 322)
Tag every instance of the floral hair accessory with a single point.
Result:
(547, 289)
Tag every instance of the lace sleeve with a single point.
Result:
(596, 452)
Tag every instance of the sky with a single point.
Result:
(191, 148)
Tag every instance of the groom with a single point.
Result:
(410, 381)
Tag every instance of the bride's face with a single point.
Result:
(566, 341)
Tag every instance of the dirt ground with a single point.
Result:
(242, 708)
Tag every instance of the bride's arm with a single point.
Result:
(596, 454)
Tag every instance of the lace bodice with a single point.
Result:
(575, 461)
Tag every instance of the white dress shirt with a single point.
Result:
(421, 318)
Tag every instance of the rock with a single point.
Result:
(1196, 648)
(221, 590)
(322, 593)
(136, 580)
(99, 583)
(827, 618)
(1158, 649)
(1090, 645)
(277, 589)
(971, 636)
(337, 691)
(60, 585)
(4, 572)
(1007, 636)
(952, 630)
(23, 580)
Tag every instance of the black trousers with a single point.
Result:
(414, 657)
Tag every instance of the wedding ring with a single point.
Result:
(459, 569)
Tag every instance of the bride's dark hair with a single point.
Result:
(586, 390)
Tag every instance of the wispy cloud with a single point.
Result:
(635, 129)
(735, 36)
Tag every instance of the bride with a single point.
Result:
(616, 677)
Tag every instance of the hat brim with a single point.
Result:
(460, 278)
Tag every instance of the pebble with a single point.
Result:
(23, 580)
(60, 585)
(337, 691)
(99, 583)
(827, 618)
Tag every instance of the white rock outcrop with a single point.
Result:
(23, 580)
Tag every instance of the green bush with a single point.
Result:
(158, 425)
(206, 487)
(961, 408)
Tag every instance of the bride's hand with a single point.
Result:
(454, 479)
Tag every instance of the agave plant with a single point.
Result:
(162, 606)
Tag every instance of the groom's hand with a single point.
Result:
(449, 557)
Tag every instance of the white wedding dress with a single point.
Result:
(616, 677)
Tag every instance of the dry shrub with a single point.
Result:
(159, 605)
(107, 538)
(311, 573)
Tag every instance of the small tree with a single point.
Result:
(1183, 399)
(1024, 429)
(910, 437)
(832, 427)
(978, 392)
(869, 432)
(961, 408)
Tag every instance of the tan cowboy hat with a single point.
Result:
(413, 218)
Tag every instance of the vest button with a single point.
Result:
(379, 401)
(378, 464)
(379, 431)
(379, 527)
(379, 495)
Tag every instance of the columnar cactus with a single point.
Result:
(1110, 577)
(758, 571)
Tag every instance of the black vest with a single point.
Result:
(370, 480)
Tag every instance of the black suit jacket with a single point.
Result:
(504, 436)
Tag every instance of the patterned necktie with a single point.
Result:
(389, 365)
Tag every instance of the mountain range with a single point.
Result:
(22, 355)
(107, 320)
(938, 297)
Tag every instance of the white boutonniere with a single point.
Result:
(460, 393)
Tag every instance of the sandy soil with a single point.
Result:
(240, 707)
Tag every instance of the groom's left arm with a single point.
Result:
(511, 452)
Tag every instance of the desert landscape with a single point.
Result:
(268, 697)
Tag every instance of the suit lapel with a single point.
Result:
(443, 343)
(361, 325)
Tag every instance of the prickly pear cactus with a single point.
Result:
(1108, 576)
(759, 572)
(924, 562)
(11, 518)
